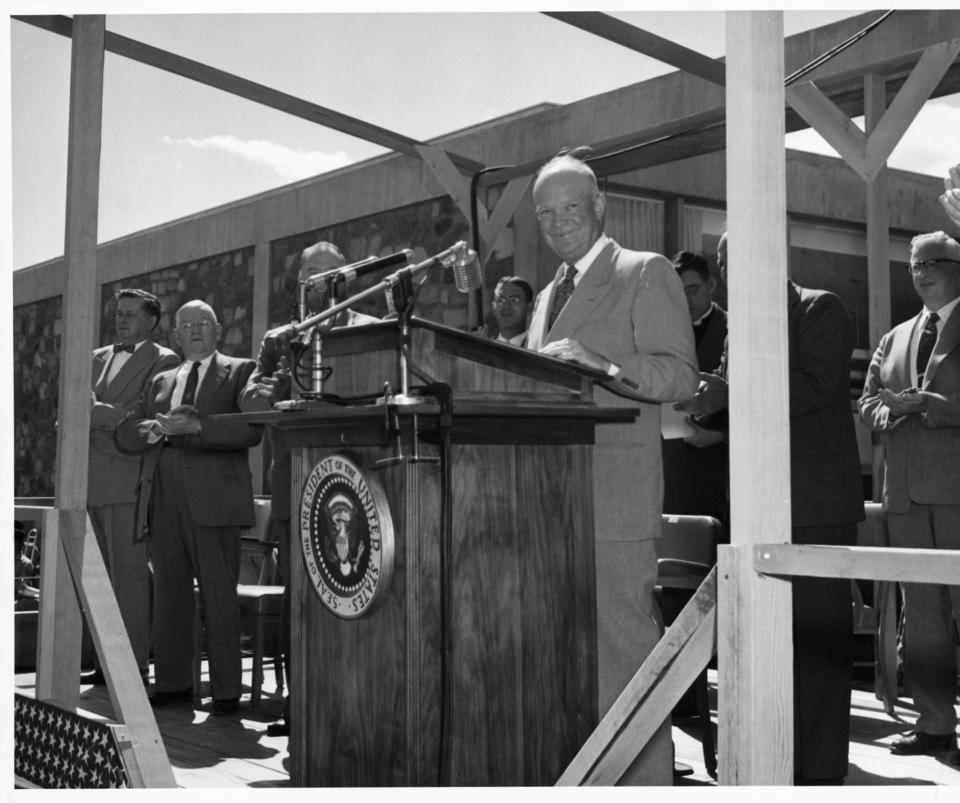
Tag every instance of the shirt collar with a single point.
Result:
(204, 363)
(944, 311)
(584, 263)
(706, 315)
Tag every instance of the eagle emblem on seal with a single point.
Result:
(342, 543)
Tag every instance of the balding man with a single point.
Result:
(912, 399)
(197, 480)
(280, 356)
(623, 313)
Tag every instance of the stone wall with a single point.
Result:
(36, 370)
(224, 281)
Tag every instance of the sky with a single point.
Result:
(172, 147)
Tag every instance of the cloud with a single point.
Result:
(928, 146)
(288, 163)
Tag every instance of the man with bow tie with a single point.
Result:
(912, 399)
(120, 373)
(623, 313)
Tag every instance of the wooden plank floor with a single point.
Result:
(235, 751)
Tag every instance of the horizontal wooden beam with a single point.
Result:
(941, 566)
(656, 47)
(258, 93)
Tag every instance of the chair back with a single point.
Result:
(872, 531)
(258, 562)
(692, 538)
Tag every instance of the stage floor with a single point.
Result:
(235, 751)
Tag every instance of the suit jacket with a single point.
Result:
(713, 340)
(112, 475)
(274, 346)
(922, 451)
(216, 472)
(629, 307)
(826, 485)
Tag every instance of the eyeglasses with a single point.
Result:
(204, 326)
(499, 300)
(930, 265)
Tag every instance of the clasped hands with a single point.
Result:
(182, 420)
(906, 402)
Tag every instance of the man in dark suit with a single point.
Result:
(826, 504)
(512, 304)
(695, 479)
(912, 398)
(282, 355)
(198, 483)
(623, 313)
(120, 373)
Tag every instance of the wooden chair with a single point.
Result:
(259, 601)
(686, 552)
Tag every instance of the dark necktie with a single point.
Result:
(925, 348)
(118, 347)
(190, 389)
(562, 293)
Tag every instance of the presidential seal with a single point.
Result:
(346, 535)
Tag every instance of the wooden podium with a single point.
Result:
(477, 664)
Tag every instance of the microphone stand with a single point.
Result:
(394, 285)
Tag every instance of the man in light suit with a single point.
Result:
(912, 398)
(197, 480)
(120, 373)
(623, 313)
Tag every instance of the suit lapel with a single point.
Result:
(902, 375)
(217, 373)
(131, 369)
(589, 292)
(949, 339)
(101, 367)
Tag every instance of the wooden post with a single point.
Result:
(58, 667)
(878, 220)
(754, 616)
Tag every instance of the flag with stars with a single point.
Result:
(58, 749)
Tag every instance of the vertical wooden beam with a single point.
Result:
(59, 666)
(261, 323)
(878, 219)
(754, 638)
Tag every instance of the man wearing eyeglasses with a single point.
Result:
(912, 398)
(512, 303)
(197, 482)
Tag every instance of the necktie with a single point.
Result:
(925, 348)
(119, 347)
(190, 389)
(562, 293)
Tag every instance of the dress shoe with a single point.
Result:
(279, 728)
(94, 678)
(923, 744)
(228, 705)
(161, 698)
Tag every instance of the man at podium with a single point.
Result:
(624, 313)
(279, 364)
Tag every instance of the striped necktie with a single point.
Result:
(562, 293)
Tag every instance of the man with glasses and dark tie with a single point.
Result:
(912, 398)
(197, 482)
(120, 373)
(512, 303)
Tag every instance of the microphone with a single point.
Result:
(352, 271)
(467, 273)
